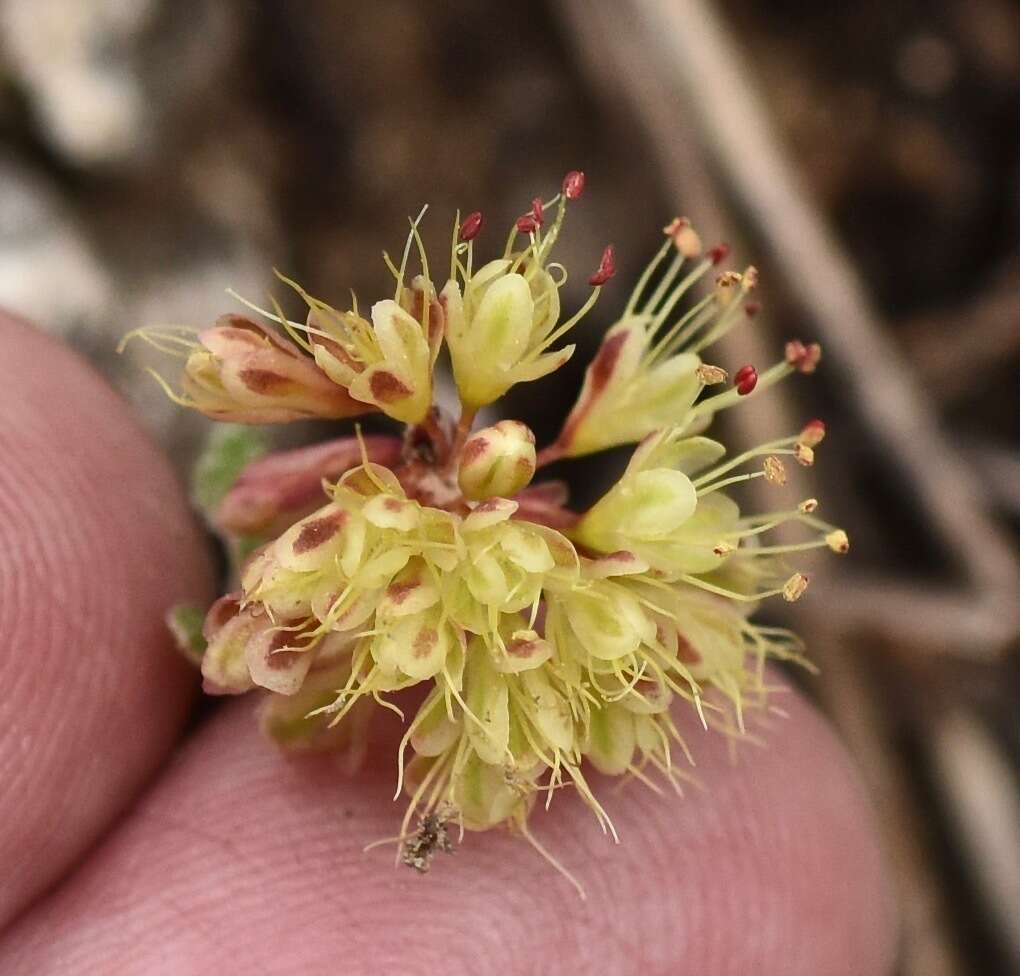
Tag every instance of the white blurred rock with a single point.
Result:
(103, 76)
(48, 271)
(74, 59)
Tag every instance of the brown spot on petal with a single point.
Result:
(686, 652)
(393, 505)
(282, 660)
(220, 613)
(605, 361)
(264, 381)
(473, 450)
(522, 648)
(425, 642)
(318, 531)
(386, 387)
(397, 593)
(281, 653)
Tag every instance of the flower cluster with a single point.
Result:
(545, 637)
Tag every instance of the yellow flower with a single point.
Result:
(241, 372)
(648, 373)
(503, 318)
(547, 640)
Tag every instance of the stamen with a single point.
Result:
(745, 379)
(573, 184)
(719, 253)
(646, 275)
(412, 235)
(526, 224)
(813, 433)
(684, 237)
(803, 358)
(606, 268)
(794, 587)
(805, 455)
(838, 541)
(711, 375)
(537, 211)
(726, 286)
(775, 472)
(472, 225)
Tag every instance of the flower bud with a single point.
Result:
(642, 505)
(497, 461)
(274, 492)
(241, 372)
(610, 742)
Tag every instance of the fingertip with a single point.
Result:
(245, 857)
(96, 543)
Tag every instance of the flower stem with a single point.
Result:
(549, 454)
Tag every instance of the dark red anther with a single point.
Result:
(719, 253)
(471, 226)
(538, 211)
(606, 268)
(751, 309)
(743, 373)
(573, 184)
(526, 224)
(745, 380)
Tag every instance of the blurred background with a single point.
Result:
(864, 156)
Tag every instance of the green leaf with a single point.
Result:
(185, 623)
(229, 448)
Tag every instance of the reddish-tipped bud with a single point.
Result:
(813, 433)
(751, 309)
(803, 358)
(745, 380)
(719, 253)
(471, 226)
(606, 268)
(573, 184)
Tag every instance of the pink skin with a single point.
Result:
(232, 858)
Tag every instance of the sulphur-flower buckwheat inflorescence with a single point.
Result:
(550, 641)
